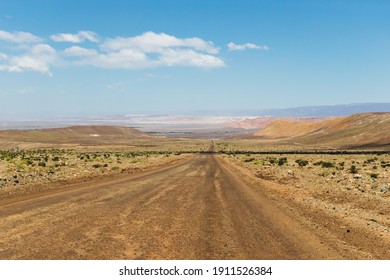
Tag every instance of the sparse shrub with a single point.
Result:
(249, 159)
(327, 164)
(282, 161)
(385, 164)
(302, 162)
(353, 169)
(374, 176)
(20, 166)
(42, 164)
(369, 160)
(272, 160)
(55, 158)
(324, 164)
(96, 165)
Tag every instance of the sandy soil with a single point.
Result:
(206, 207)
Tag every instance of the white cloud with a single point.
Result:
(123, 59)
(38, 59)
(79, 51)
(153, 50)
(80, 37)
(153, 42)
(173, 57)
(19, 37)
(148, 50)
(235, 47)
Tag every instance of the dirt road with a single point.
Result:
(199, 209)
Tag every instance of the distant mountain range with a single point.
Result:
(202, 119)
(321, 111)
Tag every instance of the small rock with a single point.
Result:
(290, 172)
(384, 189)
(357, 176)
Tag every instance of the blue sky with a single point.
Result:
(83, 58)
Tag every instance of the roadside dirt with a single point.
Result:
(203, 208)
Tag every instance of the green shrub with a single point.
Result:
(353, 169)
(302, 162)
(324, 164)
(282, 161)
(327, 164)
(369, 160)
(272, 160)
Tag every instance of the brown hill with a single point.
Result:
(262, 122)
(359, 130)
(74, 135)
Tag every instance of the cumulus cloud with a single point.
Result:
(234, 47)
(79, 37)
(123, 59)
(173, 57)
(166, 50)
(19, 37)
(147, 50)
(79, 51)
(38, 59)
(153, 42)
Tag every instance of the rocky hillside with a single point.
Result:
(359, 130)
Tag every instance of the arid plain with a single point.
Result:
(293, 190)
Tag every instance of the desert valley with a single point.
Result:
(292, 189)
